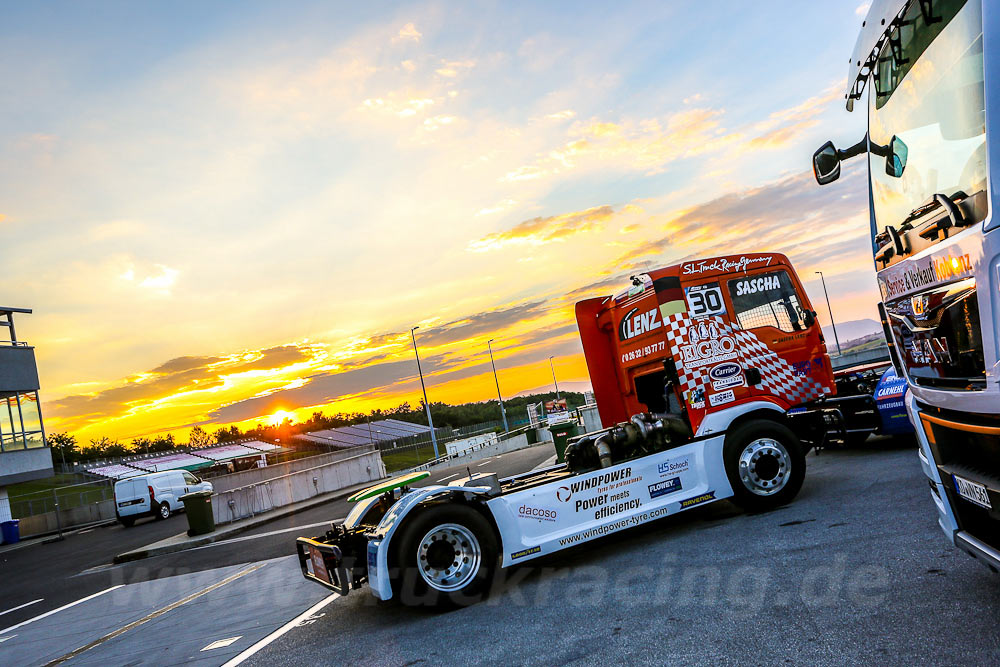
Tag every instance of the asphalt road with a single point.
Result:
(80, 565)
(854, 570)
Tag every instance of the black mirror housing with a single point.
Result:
(809, 318)
(826, 164)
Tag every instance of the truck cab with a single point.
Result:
(706, 337)
(925, 71)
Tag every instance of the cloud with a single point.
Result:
(407, 33)
(785, 125)
(562, 115)
(176, 376)
(2, 217)
(451, 68)
(162, 281)
(553, 228)
(789, 215)
(497, 208)
(646, 145)
(480, 323)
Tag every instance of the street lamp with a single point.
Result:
(427, 406)
(554, 378)
(503, 412)
(832, 323)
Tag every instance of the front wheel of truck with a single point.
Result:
(446, 558)
(764, 463)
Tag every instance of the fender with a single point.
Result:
(378, 545)
(719, 422)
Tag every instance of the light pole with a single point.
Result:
(427, 406)
(832, 323)
(554, 378)
(503, 412)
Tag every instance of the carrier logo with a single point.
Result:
(540, 513)
(728, 374)
(754, 285)
(633, 324)
(664, 487)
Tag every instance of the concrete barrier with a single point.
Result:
(257, 475)
(252, 499)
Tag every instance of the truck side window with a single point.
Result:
(767, 300)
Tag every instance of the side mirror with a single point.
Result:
(809, 318)
(826, 164)
(895, 161)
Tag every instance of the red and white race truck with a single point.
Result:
(712, 380)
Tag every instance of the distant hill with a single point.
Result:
(852, 330)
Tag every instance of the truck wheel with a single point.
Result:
(164, 512)
(765, 465)
(446, 558)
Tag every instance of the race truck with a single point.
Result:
(932, 66)
(712, 380)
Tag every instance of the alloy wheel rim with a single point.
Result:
(448, 557)
(765, 466)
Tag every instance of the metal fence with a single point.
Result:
(67, 497)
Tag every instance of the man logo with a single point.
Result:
(563, 493)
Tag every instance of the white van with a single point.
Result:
(156, 494)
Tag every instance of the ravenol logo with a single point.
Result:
(663, 488)
(698, 500)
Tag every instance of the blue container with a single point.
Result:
(11, 531)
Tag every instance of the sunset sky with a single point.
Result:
(220, 211)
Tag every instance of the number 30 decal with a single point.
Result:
(705, 300)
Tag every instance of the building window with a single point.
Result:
(20, 422)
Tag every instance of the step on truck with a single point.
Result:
(927, 72)
(712, 380)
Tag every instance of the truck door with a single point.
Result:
(770, 309)
(708, 353)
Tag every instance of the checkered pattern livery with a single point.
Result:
(777, 375)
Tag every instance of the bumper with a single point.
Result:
(324, 564)
(951, 445)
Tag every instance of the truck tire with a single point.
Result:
(764, 463)
(446, 558)
(163, 512)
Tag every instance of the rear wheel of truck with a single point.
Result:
(764, 463)
(446, 558)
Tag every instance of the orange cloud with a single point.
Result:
(542, 230)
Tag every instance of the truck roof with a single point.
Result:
(882, 15)
(696, 269)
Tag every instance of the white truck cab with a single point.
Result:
(156, 494)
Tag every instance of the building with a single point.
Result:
(24, 453)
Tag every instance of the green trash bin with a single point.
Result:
(198, 507)
(561, 433)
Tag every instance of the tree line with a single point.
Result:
(66, 449)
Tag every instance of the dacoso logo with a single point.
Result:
(540, 513)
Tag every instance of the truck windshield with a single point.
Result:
(928, 93)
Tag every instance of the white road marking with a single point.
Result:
(222, 643)
(3, 639)
(26, 604)
(445, 479)
(273, 532)
(159, 612)
(484, 463)
(56, 611)
(295, 622)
